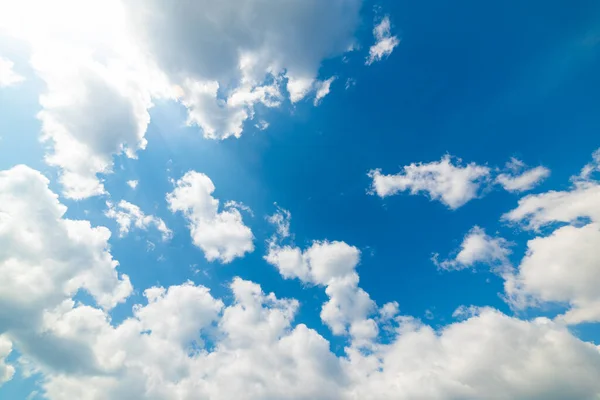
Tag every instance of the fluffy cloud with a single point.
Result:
(7, 371)
(221, 235)
(8, 77)
(478, 247)
(260, 354)
(46, 259)
(104, 61)
(520, 179)
(570, 206)
(264, 44)
(132, 184)
(127, 214)
(332, 265)
(98, 88)
(488, 355)
(385, 42)
(563, 267)
(185, 344)
(453, 185)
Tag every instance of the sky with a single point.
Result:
(333, 200)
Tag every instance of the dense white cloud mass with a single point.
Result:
(453, 185)
(46, 259)
(478, 247)
(264, 45)
(563, 267)
(261, 38)
(127, 214)
(385, 42)
(104, 61)
(520, 179)
(221, 235)
(8, 77)
(98, 89)
(185, 344)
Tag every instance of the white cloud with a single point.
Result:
(185, 344)
(132, 184)
(478, 247)
(221, 235)
(517, 179)
(98, 87)
(8, 77)
(263, 42)
(323, 88)
(281, 220)
(589, 169)
(104, 61)
(127, 214)
(453, 185)
(384, 42)
(563, 267)
(332, 265)
(46, 259)
(258, 353)
(219, 118)
(60, 255)
(570, 206)
(7, 371)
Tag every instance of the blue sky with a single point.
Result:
(481, 122)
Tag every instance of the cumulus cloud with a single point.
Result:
(564, 266)
(8, 77)
(479, 248)
(266, 46)
(7, 371)
(132, 184)
(103, 62)
(183, 343)
(221, 235)
(350, 309)
(127, 215)
(45, 259)
(520, 179)
(385, 42)
(569, 206)
(98, 88)
(453, 185)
